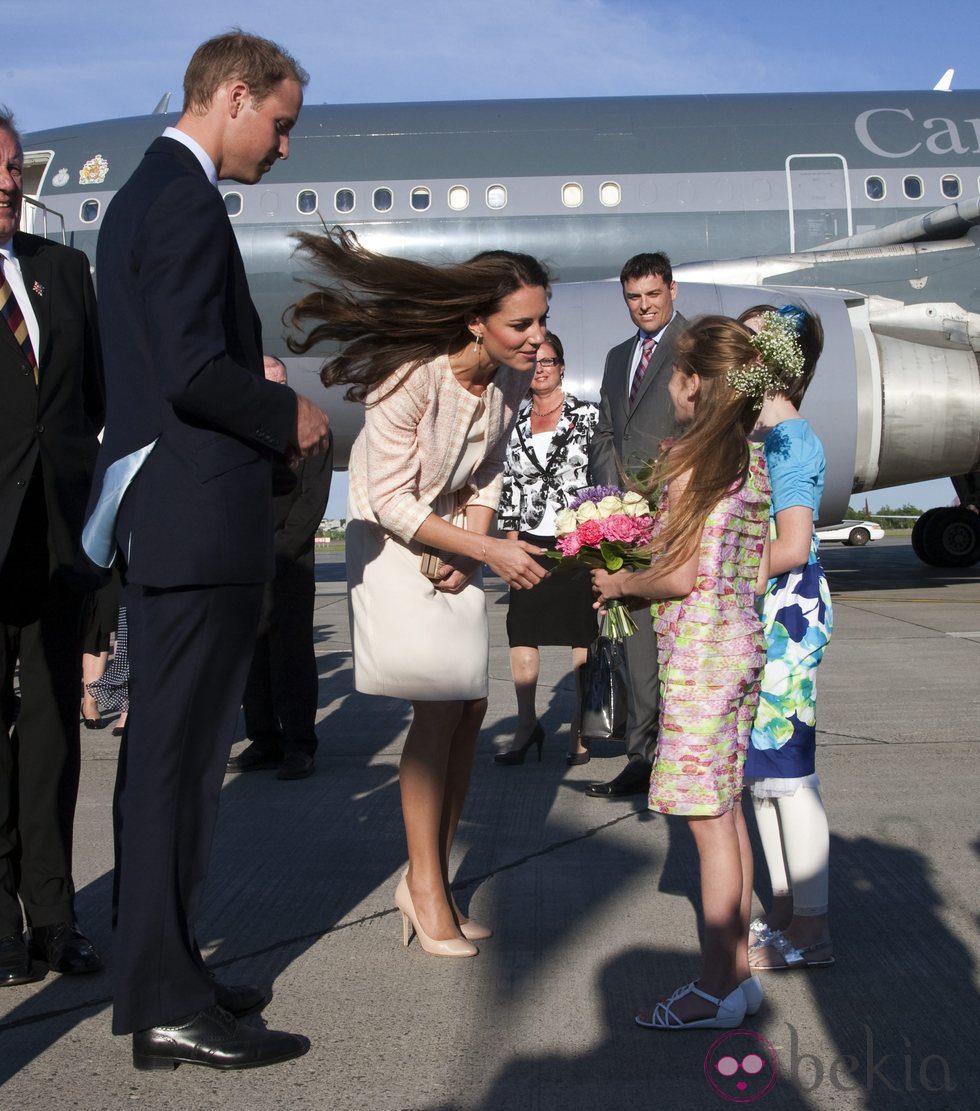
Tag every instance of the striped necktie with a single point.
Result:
(648, 345)
(15, 321)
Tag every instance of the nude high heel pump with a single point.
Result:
(451, 947)
(471, 930)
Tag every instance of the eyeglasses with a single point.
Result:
(549, 362)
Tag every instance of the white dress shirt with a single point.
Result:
(11, 270)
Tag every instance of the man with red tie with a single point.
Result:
(52, 409)
(635, 414)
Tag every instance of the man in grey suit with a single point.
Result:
(635, 415)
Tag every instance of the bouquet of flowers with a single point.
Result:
(604, 527)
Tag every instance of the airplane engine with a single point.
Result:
(895, 399)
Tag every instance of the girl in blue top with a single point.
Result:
(797, 618)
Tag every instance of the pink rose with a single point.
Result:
(590, 532)
(619, 527)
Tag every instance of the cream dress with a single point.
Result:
(411, 640)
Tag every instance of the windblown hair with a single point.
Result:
(810, 336)
(7, 124)
(714, 446)
(391, 313)
(655, 264)
(237, 55)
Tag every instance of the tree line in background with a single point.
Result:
(903, 516)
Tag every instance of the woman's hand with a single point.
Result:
(609, 585)
(511, 560)
(455, 573)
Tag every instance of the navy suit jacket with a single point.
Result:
(630, 437)
(56, 423)
(182, 346)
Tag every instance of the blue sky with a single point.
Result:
(76, 62)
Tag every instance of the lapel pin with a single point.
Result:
(38, 289)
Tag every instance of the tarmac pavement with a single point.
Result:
(594, 904)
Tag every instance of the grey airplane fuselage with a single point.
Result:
(583, 184)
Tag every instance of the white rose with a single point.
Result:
(635, 505)
(587, 511)
(565, 522)
(610, 505)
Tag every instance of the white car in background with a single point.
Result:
(855, 533)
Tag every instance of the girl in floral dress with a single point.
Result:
(710, 559)
(780, 767)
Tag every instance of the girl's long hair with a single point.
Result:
(714, 446)
(390, 313)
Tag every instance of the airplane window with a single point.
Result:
(496, 196)
(421, 198)
(572, 194)
(951, 186)
(233, 203)
(459, 197)
(610, 194)
(343, 200)
(382, 200)
(912, 187)
(306, 200)
(89, 212)
(874, 188)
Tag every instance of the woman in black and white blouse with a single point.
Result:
(547, 460)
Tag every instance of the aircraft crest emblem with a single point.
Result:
(94, 171)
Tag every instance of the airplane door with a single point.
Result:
(819, 200)
(34, 215)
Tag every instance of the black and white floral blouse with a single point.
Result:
(531, 483)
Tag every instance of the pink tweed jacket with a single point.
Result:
(413, 437)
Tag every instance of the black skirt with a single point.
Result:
(100, 609)
(556, 611)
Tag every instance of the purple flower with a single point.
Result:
(594, 494)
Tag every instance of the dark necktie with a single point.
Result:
(648, 345)
(15, 321)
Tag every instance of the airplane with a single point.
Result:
(866, 206)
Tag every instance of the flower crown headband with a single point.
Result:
(780, 354)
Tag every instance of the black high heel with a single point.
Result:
(516, 755)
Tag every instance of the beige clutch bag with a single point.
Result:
(431, 562)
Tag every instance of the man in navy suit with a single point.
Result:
(635, 414)
(52, 405)
(183, 497)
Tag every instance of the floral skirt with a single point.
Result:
(797, 617)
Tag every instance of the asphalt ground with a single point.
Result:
(594, 904)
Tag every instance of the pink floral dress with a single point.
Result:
(712, 651)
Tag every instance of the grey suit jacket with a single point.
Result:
(628, 438)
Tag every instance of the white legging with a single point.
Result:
(796, 842)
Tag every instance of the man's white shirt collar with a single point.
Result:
(641, 335)
(197, 150)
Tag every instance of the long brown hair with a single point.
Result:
(392, 313)
(714, 446)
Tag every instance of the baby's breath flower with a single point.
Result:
(781, 360)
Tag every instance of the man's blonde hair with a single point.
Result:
(237, 55)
